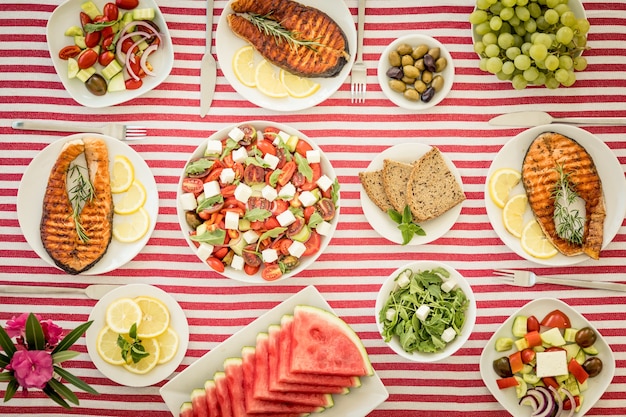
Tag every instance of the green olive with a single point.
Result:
(394, 59)
(410, 71)
(408, 80)
(404, 49)
(437, 83)
(407, 60)
(96, 85)
(427, 77)
(434, 52)
(411, 94)
(420, 86)
(440, 64)
(419, 51)
(397, 85)
(419, 64)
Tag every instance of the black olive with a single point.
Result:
(193, 220)
(429, 63)
(585, 337)
(593, 366)
(97, 85)
(250, 256)
(395, 72)
(502, 367)
(428, 94)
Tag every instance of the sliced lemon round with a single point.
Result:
(155, 318)
(501, 183)
(168, 345)
(122, 175)
(535, 242)
(107, 347)
(244, 66)
(146, 364)
(513, 214)
(268, 81)
(131, 200)
(298, 87)
(121, 314)
(129, 228)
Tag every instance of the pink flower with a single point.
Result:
(31, 368)
(17, 325)
(51, 332)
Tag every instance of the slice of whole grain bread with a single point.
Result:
(395, 177)
(372, 182)
(432, 188)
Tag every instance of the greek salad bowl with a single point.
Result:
(88, 42)
(425, 311)
(258, 202)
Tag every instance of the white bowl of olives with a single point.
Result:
(416, 72)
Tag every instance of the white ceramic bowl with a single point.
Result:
(398, 98)
(470, 315)
(68, 14)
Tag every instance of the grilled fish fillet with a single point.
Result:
(325, 58)
(539, 175)
(58, 229)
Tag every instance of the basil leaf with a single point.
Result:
(394, 215)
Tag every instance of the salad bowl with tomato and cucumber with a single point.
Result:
(258, 202)
(547, 360)
(109, 52)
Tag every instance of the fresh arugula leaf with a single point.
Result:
(315, 220)
(198, 166)
(303, 167)
(231, 145)
(274, 177)
(335, 192)
(215, 237)
(257, 214)
(209, 202)
(272, 234)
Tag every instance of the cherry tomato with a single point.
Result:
(135, 67)
(302, 147)
(308, 211)
(271, 272)
(69, 52)
(92, 39)
(192, 185)
(253, 174)
(567, 403)
(556, 318)
(528, 355)
(271, 223)
(133, 84)
(313, 244)
(127, 4)
(250, 270)
(107, 41)
(279, 206)
(270, 133)
(326, 208)
(215, 263)
(250, 256)
(265, 146)
(106, 32)
(298, 179)
(84, 19)
(287, 172)
(532, 324)
(106, 58)
(214, 175)
(126, 44)
(110, 11)
(228, 191)
(87, 58)
(221, 252)
(317, 171)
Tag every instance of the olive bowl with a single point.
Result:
(398, 98)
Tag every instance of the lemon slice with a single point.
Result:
(168, 345)
(122, 175)
(130, 201)
(513, 214)
(121, 314)
(129, 228)
(155, 318)
(107, 348)
(147, 363)
(501, 183)
(535, 243)
(298, 87)
(244, 66)
(268, 80)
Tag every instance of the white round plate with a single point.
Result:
(68, 14)
(382, 223)
(327, 169)
(470, 316)
(539, 308)
(227, 44)
(397, 98)
(178, 323)
(613, 186)
(33, 187)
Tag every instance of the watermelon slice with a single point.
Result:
(284, 359)
(276, 385)
(223, 396)
(199, 404)
(322, 343)
(211, 398)
(261, 381)
(186, 410)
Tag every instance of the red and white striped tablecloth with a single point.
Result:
(350, 271)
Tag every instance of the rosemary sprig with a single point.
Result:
(280, 33)
(568, 221)
(81, 193)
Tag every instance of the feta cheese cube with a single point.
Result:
(282, 136)
(296, 249)
(227, 175)
(269, 193)
(448, 285)
(204, 251)
(188, 201)
(553, 363)
(237, 262)
(287, 191)
(324, 228)
(390, 314)
(324, 182)
(243, 192)
(240, 155)
(269, 255)
(448, 335)
(403, 280)
(236, 134)
(286, 218)
(250, 236)
(213, 147)
(313, 156)
(271, 160)
(422, 312)
(211, 189)
(307, 198)
(231, 220)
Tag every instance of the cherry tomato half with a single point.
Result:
(69, 52)
(302, 147)
(215, 263)
(92, 39)
(132, 84)
(84, 19)
(556, 318)
(313, 244)
(532, 324)
(105, 58)
(528, 355)
(271, 272)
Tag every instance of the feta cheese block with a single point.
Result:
(243, 192)
(231, 220)
(286, 218)
(269, 193)
(188, 201)
(227, 175)
(211, 189)
(287, 191)
(269, 255)
(448, 285)
(240, 155)
(422, 312)
(271, 160)
(236, 134)
(324, 182)
(553, 363)
(237, 262)
(204, 250)
(313, 156)
(213, 147)
(297, 249)
(307, 198)
(324, 228)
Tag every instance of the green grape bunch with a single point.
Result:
(530, 42)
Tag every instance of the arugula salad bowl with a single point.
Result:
(425, 311)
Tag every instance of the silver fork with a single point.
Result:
(359, 71)
(528, 279)
(116, 130)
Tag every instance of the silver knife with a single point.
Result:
(539, 118)
(208, 67)
(95, 291)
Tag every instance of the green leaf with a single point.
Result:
(394, 215)
(215, 237)
(6, 343)
(315, 220)
(72, 337)
(55, 396)
(35, 338)
(63, 391)
(97, 26)
(335, 191)
(12, 387)
(77, 382)
(257, 214)
(209, 202)
(303, 167)
(198, 166)
(407, 217)
(132, 332)
(230, 145)
(274, 177)
(6, 376)
(63, 356)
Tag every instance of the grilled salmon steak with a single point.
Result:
(59, 231)
(548, 153)
(324, 56)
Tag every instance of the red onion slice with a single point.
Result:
(547, 406)
(144, 59)
(559, 401)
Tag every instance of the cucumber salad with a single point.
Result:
(548, 363)
(258, 201)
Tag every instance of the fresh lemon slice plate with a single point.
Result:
(130, 228)
(121, 314)
(268, 80)
(513, 214)
(122, 174)
(168, 344)
(131, 200)
(107, 347)
(244, 66)
(535, 242)
(501, 183)
(298, 87)
(146, 364)
(155, 318)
